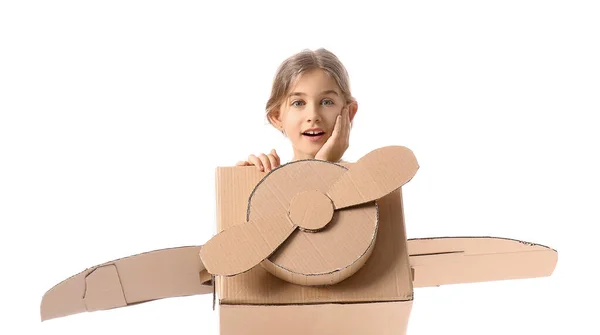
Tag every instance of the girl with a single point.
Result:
(312, 105)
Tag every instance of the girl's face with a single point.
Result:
(308, 113)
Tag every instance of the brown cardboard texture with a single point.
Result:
(310, 240)
(456, 260)
(328, 219)
(385, 318)
(384, 277)
(131, 280)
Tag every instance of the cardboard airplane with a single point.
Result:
(310, 240)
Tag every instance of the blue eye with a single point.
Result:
(297, 103)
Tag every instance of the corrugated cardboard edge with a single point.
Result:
(135, 279)
(456, 260)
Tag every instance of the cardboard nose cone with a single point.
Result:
(311, 210)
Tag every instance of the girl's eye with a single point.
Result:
(297, 103)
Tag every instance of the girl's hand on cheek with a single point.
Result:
(263, 162)
(338, 143)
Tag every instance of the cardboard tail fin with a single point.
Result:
(457, 260)
(135, 279)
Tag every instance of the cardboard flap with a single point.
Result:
(457, 260)
(103, 289)
(135, 279)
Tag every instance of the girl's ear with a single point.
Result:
(352, 109)
(275, 119)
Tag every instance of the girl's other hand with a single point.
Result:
(263, 162)
(336, 145)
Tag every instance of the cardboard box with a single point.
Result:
(380, 291)
(384, 277)
(286, 254)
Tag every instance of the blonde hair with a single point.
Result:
(291, 69)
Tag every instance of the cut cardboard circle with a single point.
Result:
(323, 257)
(311, 211)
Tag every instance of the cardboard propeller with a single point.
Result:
(296, 239)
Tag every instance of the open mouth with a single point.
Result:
(313, 133)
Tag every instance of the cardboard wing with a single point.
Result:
(131, 280)
(458, 260)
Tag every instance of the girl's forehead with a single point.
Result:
(314, 82)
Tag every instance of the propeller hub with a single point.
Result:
(311, 211)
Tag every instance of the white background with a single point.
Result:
(114, 115)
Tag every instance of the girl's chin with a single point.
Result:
(308, 153)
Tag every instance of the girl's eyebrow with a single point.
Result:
(322, 93)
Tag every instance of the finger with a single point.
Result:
(347, 116)
(265, 162)
(342, 126)
(277, 158)
(337, 127)
(242, 163)
(255, 161)
(346, 128)
(348, 123)
(273, 161)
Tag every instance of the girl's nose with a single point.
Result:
(313, 114)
